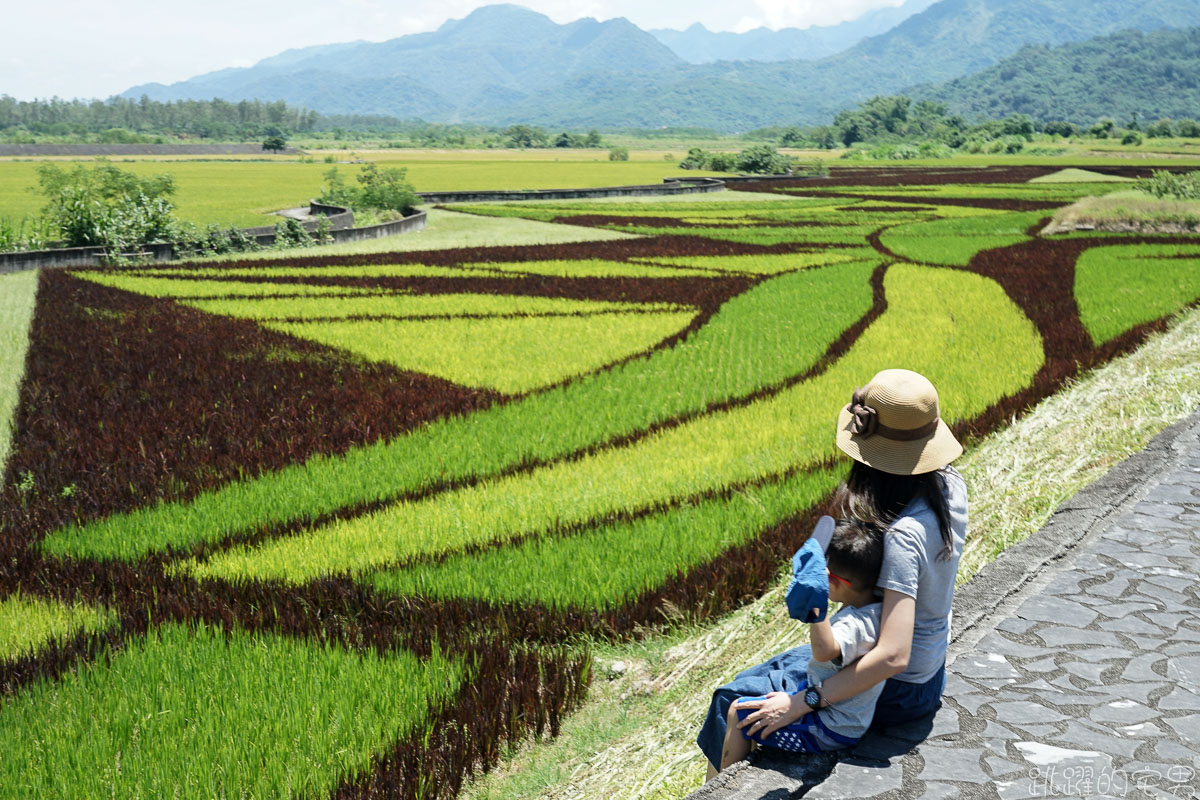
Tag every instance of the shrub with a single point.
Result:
(1132, 138)
(384, 189)
(107, 207)
(290, 233)
(618, 154)
(763, 159)
(1163, 184)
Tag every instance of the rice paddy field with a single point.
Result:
(344, 525)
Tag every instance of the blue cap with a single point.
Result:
(809, 588)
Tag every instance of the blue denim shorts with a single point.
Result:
(809, 734)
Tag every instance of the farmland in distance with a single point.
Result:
(408, 486)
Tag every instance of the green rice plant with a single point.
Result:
(365, 271)
(27, 623)
(18, 293)
(176, 287)
(756, 340)
(414, 305)
(511, 355)
(956, 241)
(771, 264)
(206, 713)
(588, 268)
(609, 565)
(770, 437)
(1118, 288)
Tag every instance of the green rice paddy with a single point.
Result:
(28, 623)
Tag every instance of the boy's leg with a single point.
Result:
(737, 746)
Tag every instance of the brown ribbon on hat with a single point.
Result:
(865, 422)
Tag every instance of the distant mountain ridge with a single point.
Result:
(1153, 75)
(698, 45)
(503, 64)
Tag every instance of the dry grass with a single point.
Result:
(1127, 211)
(635, 737)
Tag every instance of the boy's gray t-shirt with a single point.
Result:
(911, 566)
(856, 630)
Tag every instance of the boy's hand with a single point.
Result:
(778, 710)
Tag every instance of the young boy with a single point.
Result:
(854, 556)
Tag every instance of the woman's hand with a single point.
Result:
(778, 710)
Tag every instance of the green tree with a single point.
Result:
(618, 154)
(274, 143)
(763, 159)
(107, 207)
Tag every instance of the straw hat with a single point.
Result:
(892, 424)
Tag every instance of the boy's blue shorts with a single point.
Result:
(809, 734)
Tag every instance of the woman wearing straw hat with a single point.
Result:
(900, 479)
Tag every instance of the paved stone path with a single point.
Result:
(1077, 674)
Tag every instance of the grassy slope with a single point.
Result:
(17, 295)
(635, 737)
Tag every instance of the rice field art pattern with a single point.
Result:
(333, 527)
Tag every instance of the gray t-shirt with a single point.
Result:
(911, 566)
(856, 630)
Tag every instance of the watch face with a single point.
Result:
(812, 698)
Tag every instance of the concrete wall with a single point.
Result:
(669, 186)
(94, 256)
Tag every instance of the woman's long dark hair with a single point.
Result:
(872, 495)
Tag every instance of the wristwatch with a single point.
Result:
(812, 698)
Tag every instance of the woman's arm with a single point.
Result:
(888, 657)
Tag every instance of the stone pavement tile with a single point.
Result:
(940, 791)
(1185, 670)
(1034, 730)
(1168, 493)
(953, 764)
(1014, 625)
(1159, 509)
(1180, 699)
(1184, 648)
(857, 781)
(1174, 752)
(1176, 580)
(1059, 635)
(945, 723)
(1115, 586)
(956, 685)
(1166, 598)
(1065, 583)
(1170, 620)
(1121, 609)
(1138, 627)
(1042, 665)
(1171, 779)
(994, 684)
(1107, 546)
(1122, 712)
(1037, 686)
(971, 702)
(1064, 771)
(984, 665)
(1187, 728)
(1140, 730)
(1147, 522)
(1020, 787)
(1089, 739)
(879, 749)
(1182, 634)
(1144, 561)
(999, 643)
(1094, 654)
(1132, 536)
(1084, 700)
(1088, 672)
(1093, 564)
(1002, 767)
(1130, 691)
(1055, 609)
(994, 730)
(1141, 668)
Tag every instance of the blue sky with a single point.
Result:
(80, 48)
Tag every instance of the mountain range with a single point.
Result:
(698, 45)
(503, 64)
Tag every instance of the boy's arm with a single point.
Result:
(824, 646)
